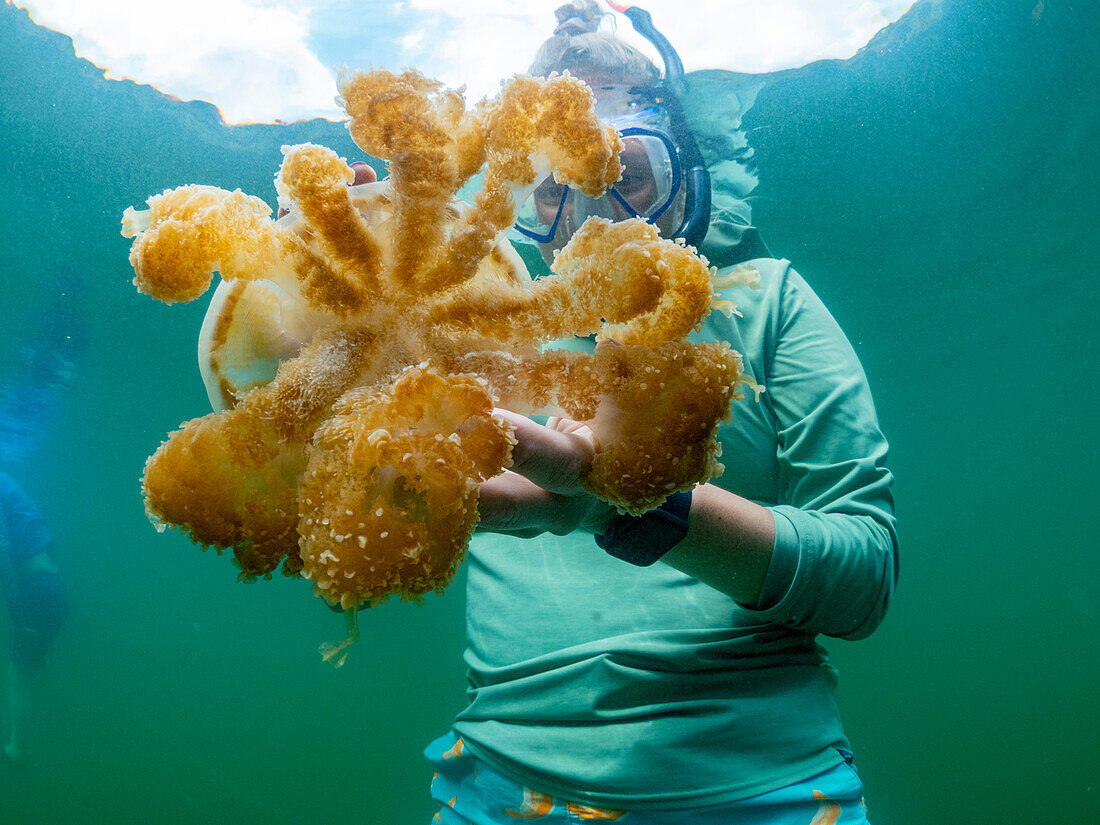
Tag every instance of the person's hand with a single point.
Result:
(542, 492)
(363, 174)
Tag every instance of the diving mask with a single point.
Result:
(651, 179)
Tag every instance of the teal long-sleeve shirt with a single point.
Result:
(636, 688)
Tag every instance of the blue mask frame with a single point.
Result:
(677, 177)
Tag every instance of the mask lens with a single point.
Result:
(547, 199)
(647, 189)
(647, 182)
(539, 216)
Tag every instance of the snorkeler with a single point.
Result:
(45, 364)
(665, 666)
(30, 402)
(36, 600)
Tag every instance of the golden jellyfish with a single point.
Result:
(355, 348)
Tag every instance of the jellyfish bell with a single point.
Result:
(252, 326)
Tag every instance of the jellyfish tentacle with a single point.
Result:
(189, 232)
(411, 122)
(315, 180)
(221, 479)
(621, 280)
(646, 288)
(389, 497)
(534, 125)
(655, 428)
(336, 653)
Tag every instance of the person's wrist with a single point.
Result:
(599, 516)
(643, 540)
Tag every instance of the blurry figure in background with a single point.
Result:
(45, 364)
(664, 668)
(30, 403)
(35, 597)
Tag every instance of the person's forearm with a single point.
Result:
(728, 545)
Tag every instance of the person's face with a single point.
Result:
(637, 186)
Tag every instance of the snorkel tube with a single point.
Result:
(696, 177)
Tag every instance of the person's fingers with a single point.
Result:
(552, 459)
(568, 425)
(363, 173)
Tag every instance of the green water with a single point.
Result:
(939, 191)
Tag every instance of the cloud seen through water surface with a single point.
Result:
(266, 60)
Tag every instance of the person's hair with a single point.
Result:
(579, 47)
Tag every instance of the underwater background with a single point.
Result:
(940, 191)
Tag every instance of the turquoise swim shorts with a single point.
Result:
(472, 793)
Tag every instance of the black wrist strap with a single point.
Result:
(642, 540)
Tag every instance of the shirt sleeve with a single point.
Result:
(835, 560)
